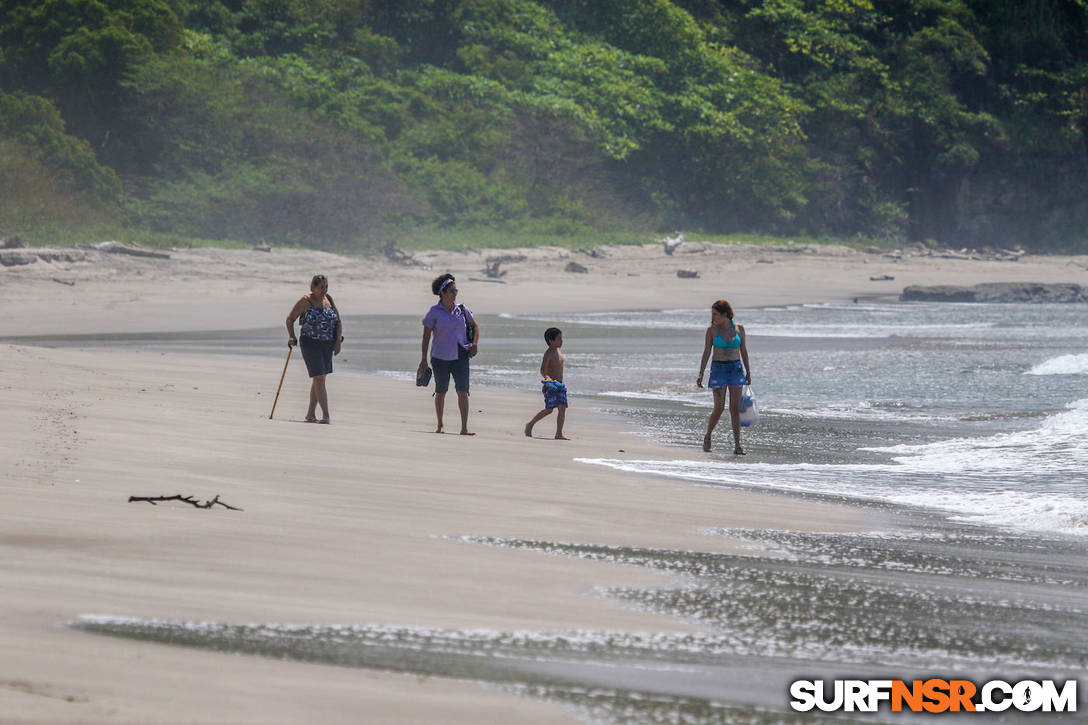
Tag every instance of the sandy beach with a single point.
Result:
(351, 523)
(219, 289)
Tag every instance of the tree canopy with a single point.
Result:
(335, 122)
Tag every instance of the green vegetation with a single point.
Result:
(341, 124)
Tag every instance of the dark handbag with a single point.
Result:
(423, 378)
(470, 333)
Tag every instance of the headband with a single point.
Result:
(445, 284)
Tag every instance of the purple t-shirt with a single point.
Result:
(449, 330)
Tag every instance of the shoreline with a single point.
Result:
(349, 527)
(345, 528)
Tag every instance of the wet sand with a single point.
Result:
(342, 524)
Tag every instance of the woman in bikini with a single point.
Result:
(320, 336)
(727, 341)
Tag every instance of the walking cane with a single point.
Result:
(290, 349)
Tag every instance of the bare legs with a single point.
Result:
(544, 414)
(735, 392)
(719, 406)
(734, 416)
(462, 404)
(318, 396)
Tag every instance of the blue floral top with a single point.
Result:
(319, 323)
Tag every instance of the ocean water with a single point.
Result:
(976, 413)
(964, 426)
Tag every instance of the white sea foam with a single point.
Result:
(697, 400)
(1045, 511)
(863, 410)
(396, 374)
(1059, 446)
(1031, 480)
(1062, 365)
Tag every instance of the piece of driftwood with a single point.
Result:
(64, 281)
(485, 279)
(687, 274)
(493, 263)
(671, 243)
(153, 500)
(399, 256)
(575, 267)
(116, 248)
(882, 278)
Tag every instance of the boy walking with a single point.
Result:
(555, 392)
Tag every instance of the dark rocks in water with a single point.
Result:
(11, 243)
(687, 274)
(1027, 292)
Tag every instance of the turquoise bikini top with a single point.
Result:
(719, 342)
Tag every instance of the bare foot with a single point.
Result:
(528, 431)
(561, 437)
(467, 432)
(738, 451)
(440, 429)
(706, 443)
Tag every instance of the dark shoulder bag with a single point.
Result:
(470, 332)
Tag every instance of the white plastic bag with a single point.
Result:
(749, 411)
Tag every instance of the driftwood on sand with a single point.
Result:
(153, 500)
(399, 256)
(493, 263)
(118, 248)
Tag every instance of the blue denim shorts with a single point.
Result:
(724, 373)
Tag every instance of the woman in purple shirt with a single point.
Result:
(456, 339)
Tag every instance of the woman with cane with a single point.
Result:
(320, 336)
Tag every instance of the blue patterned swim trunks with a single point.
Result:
(555, 394)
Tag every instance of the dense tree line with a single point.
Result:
(338, 122)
